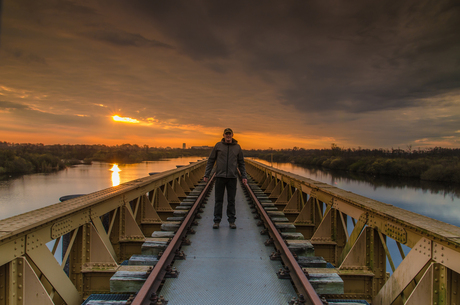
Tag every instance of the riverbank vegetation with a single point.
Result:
(32, 158)
(434, 164)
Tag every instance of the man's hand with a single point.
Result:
(205, 179)
(245, 181)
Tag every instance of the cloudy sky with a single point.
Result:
(374, 74)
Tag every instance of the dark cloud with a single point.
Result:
(351, 70)
(1, 13)
(5, 105)
(190, 24)
(25, 56)
(122, 38)
(45, 11)
(355, 56)
(43, 118)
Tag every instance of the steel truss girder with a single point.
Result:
(385, 221)
(95, 246)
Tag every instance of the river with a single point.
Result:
(29, 192)
(440, 201)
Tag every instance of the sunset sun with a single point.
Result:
(117, 118)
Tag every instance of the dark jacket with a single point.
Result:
(228, 157)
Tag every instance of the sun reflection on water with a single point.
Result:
(115, 175)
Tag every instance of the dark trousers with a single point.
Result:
(221, 185)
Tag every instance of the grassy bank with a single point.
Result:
(35, 158)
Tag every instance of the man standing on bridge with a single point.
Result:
(228, 156)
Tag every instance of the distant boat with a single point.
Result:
(68, 197)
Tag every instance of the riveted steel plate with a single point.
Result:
(446, 256)
(396, 232)
(69, 224)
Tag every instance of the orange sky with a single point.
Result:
(305, 74)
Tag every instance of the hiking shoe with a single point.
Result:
(232, 225)
(215, 225)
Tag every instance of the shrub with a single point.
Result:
(19, 165)
(440, 172)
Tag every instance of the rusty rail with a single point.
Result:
(300, 280)
(155, 278)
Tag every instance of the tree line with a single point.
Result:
(26, 158)
(434, 164)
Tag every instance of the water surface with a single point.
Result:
(29, 192)
(440, 201)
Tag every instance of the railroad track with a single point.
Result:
(141, 280)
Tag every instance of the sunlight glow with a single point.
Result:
(115, 175)
(115, 168)
(124, 119)
(115, 178)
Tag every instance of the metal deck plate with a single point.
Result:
(228, 266)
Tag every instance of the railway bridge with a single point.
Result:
(298, 241)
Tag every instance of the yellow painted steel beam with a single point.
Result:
(25, 236)
(125, 192)
(407, 227)
(364, 254)
(39, 253)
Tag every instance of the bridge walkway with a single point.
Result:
(228, 266)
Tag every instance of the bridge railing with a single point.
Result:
(428, 274)
(97, 232)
